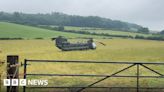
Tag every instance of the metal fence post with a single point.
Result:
(25, 65)
(137, 77)
(12, 72)
(1, 64)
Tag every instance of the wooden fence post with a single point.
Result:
(12, 72)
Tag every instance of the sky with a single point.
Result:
(148, 13)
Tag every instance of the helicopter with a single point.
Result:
(63, 44)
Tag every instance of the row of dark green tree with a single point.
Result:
(70, 20)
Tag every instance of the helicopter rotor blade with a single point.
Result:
(100, 43)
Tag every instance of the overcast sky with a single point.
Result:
(148, 13)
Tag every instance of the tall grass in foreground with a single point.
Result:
(115, 50)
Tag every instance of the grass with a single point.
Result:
(115, 50)
(11, 30)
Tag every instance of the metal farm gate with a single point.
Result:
(137, 77)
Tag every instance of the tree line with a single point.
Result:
(59, 19)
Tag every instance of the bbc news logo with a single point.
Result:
(24, 82)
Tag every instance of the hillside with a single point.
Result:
(68, 20)
(11, 30)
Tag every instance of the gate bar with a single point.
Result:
(152, 70)
(106, 77)
(137, 77)
(79, 61)
(25, 69)
(89, 75)
(96, 87)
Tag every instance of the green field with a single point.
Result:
(11, 30)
